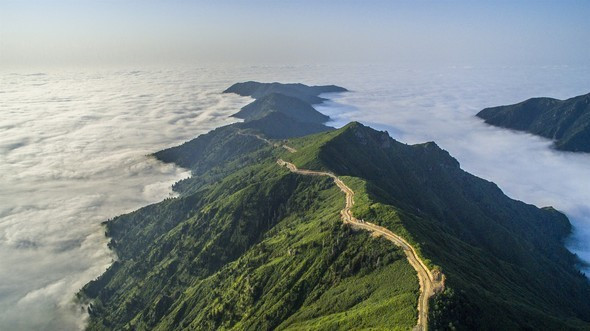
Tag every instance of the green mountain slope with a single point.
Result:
(309, 94)
(567, 122)
(249, 245)
(258, 250)
(501, 257)
(290, 106)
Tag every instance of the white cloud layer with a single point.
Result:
(73, 146)
(73, 149)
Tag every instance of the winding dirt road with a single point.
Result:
(429, 283)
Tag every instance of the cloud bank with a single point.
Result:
(73, 153)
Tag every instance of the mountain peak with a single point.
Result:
(353, 125)
(364, 135)
(359, 150)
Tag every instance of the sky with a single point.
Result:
(101, 33)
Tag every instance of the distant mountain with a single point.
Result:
(309, 94)
(290, 106)
(217, 145)
(275, 116)
(566, 122)
(250, 245)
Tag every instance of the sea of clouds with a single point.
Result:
(74, 146)
(74, 152)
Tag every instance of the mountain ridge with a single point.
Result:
(251, 245)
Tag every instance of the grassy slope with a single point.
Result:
(501, 257)
(306, 261)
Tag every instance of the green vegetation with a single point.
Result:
(259, 250)
(250, 246)
(567, 122)
(212, 149)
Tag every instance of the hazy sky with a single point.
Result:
(86, 32)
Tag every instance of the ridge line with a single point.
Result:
(430, 283)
